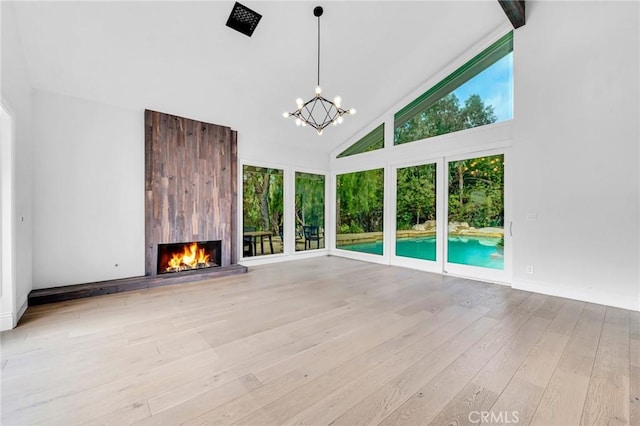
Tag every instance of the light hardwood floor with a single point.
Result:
(323, 341)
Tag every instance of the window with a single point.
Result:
(262, 206)
(372, 141)
(309, 227)
(359, 216)
(478, 93)
(416, 212)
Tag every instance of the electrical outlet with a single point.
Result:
(530, 270)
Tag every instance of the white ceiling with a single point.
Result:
(179, 57)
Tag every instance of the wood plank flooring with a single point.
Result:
(323, 341)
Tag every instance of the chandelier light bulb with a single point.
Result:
(337, 101)
(299, 102)
(352, 111)
(340, 120)
(285, 114)
(298, 122)
(304, 124)
(335, 122)
(318, 90)
(320, 132)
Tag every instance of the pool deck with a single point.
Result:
(370, 237)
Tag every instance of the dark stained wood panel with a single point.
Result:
(515, 11)
(191, 187)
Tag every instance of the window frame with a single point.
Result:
(374, 258)
(240, 214)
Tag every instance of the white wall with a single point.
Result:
(16, 96)
(88, 191)
(8, 317)
(268, 150)
(575, 151)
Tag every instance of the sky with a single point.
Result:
(495, 87)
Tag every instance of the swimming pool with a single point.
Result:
(474, 251)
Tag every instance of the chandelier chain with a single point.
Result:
(318, 51)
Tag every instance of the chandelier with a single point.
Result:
(319, 112)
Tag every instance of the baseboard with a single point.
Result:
(22, 307)
(9, 320)
(356, 255)
(597, 297)
(6, 321)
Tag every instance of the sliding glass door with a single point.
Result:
(450, 216)
(475, 212)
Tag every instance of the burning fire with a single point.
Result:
(193, 257)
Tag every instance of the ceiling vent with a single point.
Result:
(243, 19)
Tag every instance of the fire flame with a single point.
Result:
(192, 257)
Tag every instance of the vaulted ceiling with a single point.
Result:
(179, 57)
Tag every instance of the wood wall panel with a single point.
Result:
(191, 186)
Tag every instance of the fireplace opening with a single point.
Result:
(190, 256)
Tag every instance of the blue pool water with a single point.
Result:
(467, 251)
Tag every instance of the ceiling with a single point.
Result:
(179, 57)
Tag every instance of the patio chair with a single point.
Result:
(311, 233)
(248, 244)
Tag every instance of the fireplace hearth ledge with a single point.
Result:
(78, 291)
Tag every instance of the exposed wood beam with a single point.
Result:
(514, 10)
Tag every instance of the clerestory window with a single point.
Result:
(372, 141)
(480, 92)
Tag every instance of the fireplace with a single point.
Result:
(191, 256)
(191, 179)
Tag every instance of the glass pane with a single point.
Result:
(309, 229)
(372, 141)
(476, 212)
(262, 207)
(479, 92)
(416, 212)
(359, 216)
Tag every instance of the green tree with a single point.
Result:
(262, 195)
(309, 199)
(476, 191)
(446, 116)
(276, 202)
(360, 201)
(475, 113)
(416, 195)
